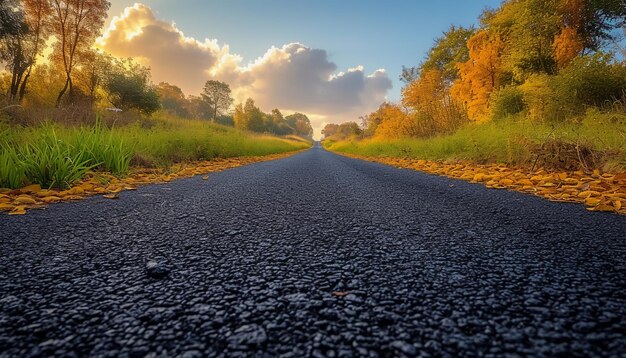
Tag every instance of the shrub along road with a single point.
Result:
(315, 254)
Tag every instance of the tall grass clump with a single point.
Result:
(54, 163)
(11, 169)
(104, 149)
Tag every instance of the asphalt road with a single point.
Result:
(246, 263)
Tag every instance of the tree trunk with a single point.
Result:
(15, 85)
(12, 91)
(23, 87)
(67, 83)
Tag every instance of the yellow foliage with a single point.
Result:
(567, 45)
(18, 210)
(31, 189)
(25, 199)
(481, 74)
(395, 122)
(537, 96)
(425, 91)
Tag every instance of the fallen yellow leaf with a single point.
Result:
(602, 207)
(24, 199)
(77, 191)
(18, 210)
(592, 202)
(30, 189)
(50, 199)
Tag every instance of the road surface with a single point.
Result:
(313, 255)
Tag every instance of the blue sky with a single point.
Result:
(375, 34)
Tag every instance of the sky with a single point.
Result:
(332, 60)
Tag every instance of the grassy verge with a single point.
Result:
(596, 141)
(58, 156)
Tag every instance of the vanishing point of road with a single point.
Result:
(313, 255)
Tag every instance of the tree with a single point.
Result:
(330, 130)
(530, 27)
(341, 131)
(129, 87)
(301, 124)
(173, 99)
(448, 50)
(217, 95)
(481, 74)
(393, 122)
(75, 24)
(10, 18)
(593, 20)
(198, 108)
(370, 122)
(14, 50)
(430, 96)
(567, 45)
(249, 117)
(425, 91)
(273, 120)
(93, 73)
(349, 129)
(36, 15)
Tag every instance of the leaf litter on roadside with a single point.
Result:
(19, 201)
(597, 191)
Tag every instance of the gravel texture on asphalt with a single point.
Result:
(313, 255)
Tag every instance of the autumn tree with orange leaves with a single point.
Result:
(481, 74)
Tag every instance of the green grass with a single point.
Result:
(178, 140)
(11, 171)
(58, 156)
(52, 162)
(509, 141)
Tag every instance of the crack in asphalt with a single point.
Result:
(313, 255)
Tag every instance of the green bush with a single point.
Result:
(589, 81)
(507, 102)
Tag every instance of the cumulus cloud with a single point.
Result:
(171, 55)
(293, 77)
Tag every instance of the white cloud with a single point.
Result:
(292, 77)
